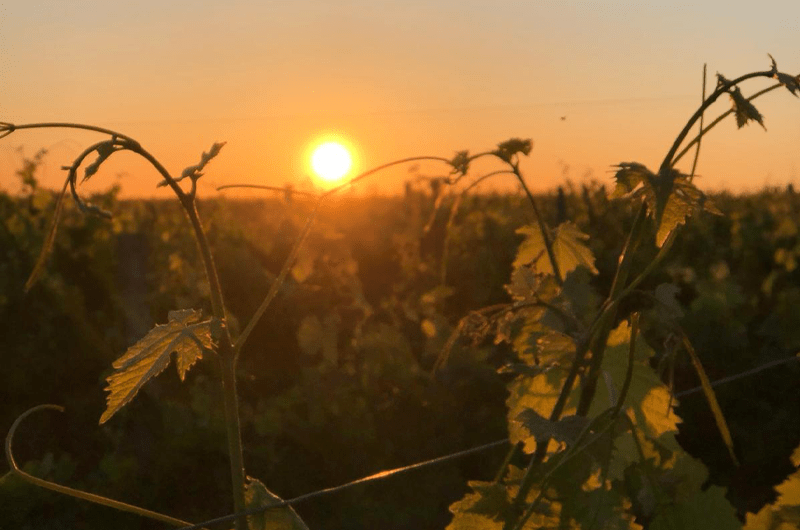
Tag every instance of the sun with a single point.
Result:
(331, 161)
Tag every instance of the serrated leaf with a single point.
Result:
(703, 510)
(528, 285)
(791, 82)
(569, 249)
(485, 509)
(566, 430)
(183, 334)
(629, 176)
(647, 397)
(283, 518)
(744, 110)
(670, 196)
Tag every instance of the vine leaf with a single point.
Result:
(702, 510)
(184, 334)
(569, 248)
(566, 430)
(648, 397)
(744, 110)
(491, 501)
(791, 83)
(487, 507)
(257, 495)
(460, 162)
(785, 511)
(506, 150)
(670, 196)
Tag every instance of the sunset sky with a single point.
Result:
(393, 79)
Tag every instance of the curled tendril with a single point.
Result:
(91, 497)
(104, 150)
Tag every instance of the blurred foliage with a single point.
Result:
(336, 379)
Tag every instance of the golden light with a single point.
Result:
(331, 161)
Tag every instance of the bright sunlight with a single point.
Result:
(331, 161)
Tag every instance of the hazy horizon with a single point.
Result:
(395, 79)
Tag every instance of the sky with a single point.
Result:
(393, 79)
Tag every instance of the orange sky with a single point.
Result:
(397, 79)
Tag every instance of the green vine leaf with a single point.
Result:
(566, 430)
(785, 511)
(702, 510)
(569, 248)
(183, 334)
(486, 508)
(256, 495)
(671, 197)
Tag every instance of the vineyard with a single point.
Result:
(620, 354)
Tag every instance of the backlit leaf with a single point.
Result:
(703, 510)
(569, 248)
(566, 430)
(283, 518)
(183, 334)
(784, 513)
(670, 196)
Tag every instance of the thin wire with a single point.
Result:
(741, 375)
(371, 478)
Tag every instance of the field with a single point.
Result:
(378, 351)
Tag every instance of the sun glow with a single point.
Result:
(331, 161)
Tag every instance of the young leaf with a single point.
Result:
(460, 162)
(184, 334)
(791, 83)
(629, 175)
(670, 196)
(745, 111)
(569, 249)
(256, 495)
(509, 148)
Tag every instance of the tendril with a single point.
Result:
(79, 494)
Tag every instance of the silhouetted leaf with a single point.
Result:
(745, 111)
(460, 162)
(791, 82)
(184, 334)
(506, 150)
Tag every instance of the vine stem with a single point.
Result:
(722, 88)
(65, 490)
(548, 242)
